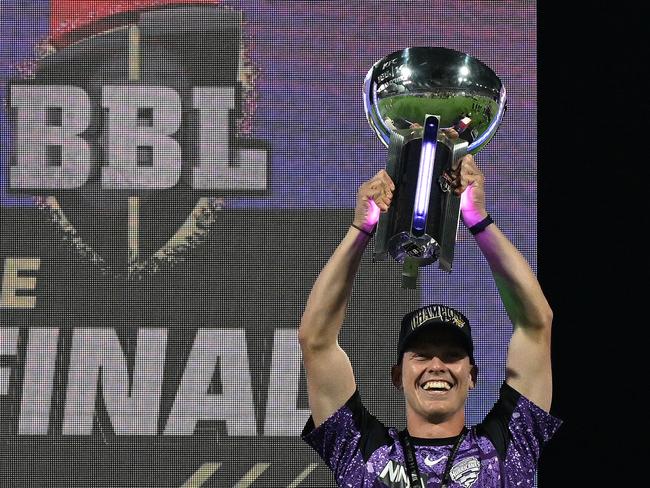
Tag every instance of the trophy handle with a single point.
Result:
(387, 220)
(451, 212)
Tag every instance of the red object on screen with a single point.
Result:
(68, 17)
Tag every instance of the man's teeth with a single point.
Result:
(436, 385)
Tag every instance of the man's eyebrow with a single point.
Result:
(420, 353)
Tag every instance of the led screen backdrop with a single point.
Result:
(149, 317)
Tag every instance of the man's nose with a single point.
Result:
(436, 364)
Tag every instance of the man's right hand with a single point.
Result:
(374, 196)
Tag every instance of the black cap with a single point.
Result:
(436, 316)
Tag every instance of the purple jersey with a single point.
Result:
(503, 450)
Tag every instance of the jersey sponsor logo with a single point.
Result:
(394, 476)
(465, 472)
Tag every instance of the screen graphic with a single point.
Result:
(173, 176)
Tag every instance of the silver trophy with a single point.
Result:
(410, 97)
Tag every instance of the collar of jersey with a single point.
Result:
(442, 441)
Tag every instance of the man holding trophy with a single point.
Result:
(435, 367)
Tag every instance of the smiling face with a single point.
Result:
(436, 375)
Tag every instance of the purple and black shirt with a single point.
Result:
(501, 451)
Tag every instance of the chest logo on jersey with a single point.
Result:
(465, 472)
(394, 476)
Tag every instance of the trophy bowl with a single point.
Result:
(410, 97)
(405, 86)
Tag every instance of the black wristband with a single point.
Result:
(369, 234)
(480, 226)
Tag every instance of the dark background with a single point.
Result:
(592, 229)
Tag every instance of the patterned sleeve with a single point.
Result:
(519, 429)
(346, 440)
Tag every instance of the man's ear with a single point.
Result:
(474, 376)
(396, 375)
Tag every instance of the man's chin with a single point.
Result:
(437, 416)
(437, 411)
(433, 410)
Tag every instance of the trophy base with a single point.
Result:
(420, 250)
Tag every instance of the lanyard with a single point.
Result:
(412, 466)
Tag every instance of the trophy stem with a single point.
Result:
(410, 272)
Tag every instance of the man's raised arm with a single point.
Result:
(330, 379)
(528, 366)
